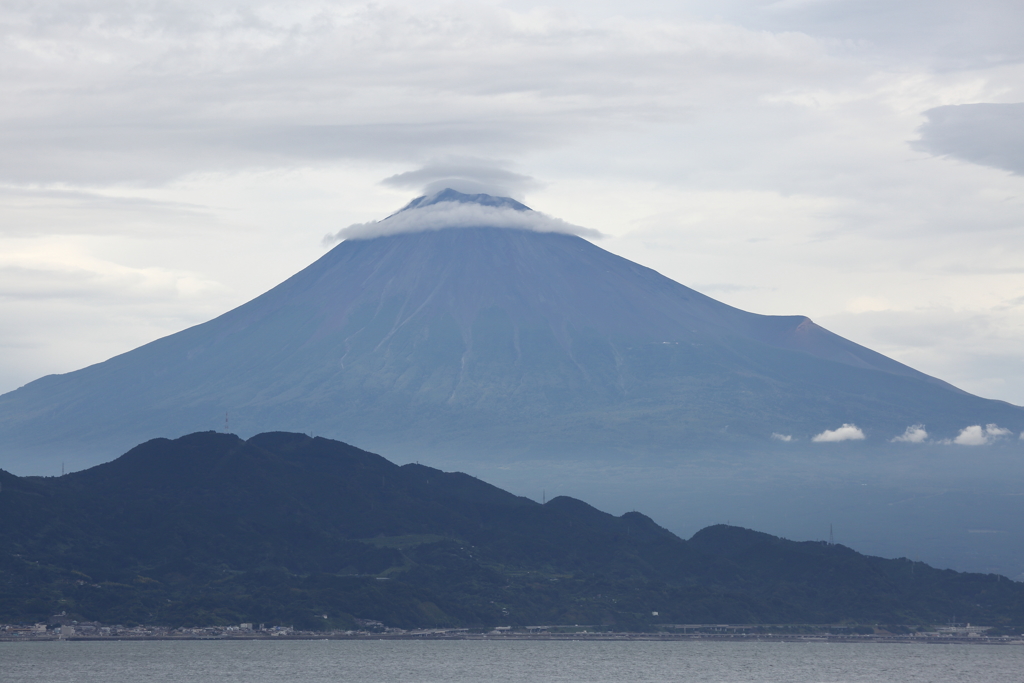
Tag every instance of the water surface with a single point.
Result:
(379, 661)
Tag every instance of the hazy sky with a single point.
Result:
(859, 162)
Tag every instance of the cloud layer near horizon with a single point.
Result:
(913, 434)
(976, 435)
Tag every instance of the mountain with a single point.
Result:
(284, 528)
(479, 338)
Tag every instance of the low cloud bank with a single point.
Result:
(913, 434)
(976, 435)
(847, 432)
(444, 215)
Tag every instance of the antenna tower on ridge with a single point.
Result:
(226, 423)
(831, 538)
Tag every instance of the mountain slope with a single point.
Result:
(472, 337)
(284, 528)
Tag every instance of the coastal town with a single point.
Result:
(370, 629)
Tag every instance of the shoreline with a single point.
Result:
(596, 637)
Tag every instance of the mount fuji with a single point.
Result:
(472, 324)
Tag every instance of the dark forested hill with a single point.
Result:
(285, 528)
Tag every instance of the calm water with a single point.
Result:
(472, 661)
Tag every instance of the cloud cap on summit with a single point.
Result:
(449, 208)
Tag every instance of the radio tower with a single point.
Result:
(831, 538)
(226, 423)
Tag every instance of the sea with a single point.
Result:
(473, 661)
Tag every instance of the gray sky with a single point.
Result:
(857, 162)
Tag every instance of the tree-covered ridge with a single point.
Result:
(284, 528)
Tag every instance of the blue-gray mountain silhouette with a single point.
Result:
(475, 339)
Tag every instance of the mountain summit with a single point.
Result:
(450, 195)
(473, 337)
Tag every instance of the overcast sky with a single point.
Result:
(859, 162)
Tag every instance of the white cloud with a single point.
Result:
(971, 436)
(445, 215)
(847, 432)
(913, 434)
(466, 175)
(976, 435)
(782, 437)
(997, 432)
